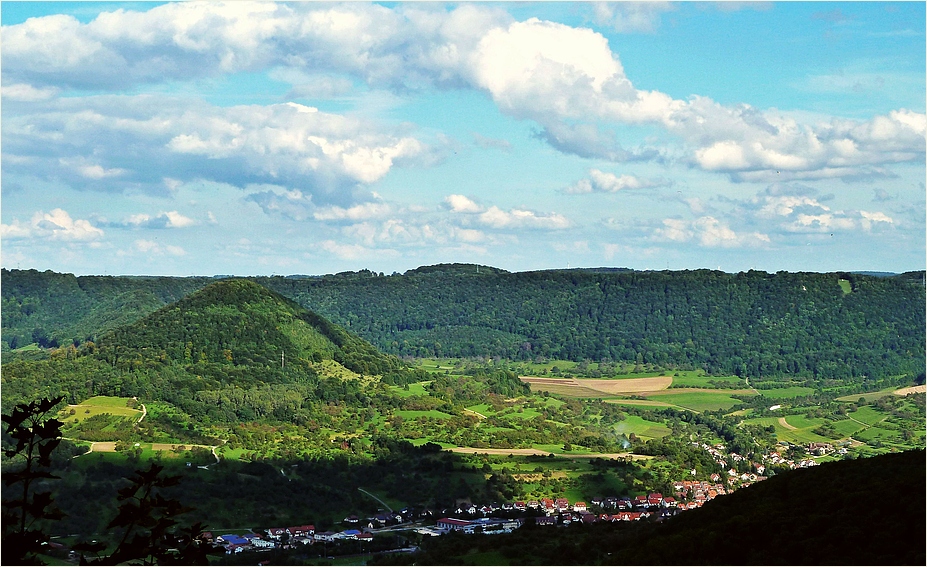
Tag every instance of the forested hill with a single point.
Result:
(232, 350)
(837, 325)
(240, 323)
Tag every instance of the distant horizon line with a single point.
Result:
(464, 264)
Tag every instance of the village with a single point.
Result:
(495, 518)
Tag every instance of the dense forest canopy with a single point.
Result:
(755, 324)
(232, 350)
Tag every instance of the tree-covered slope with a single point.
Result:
(54, 309)
(760, 325)
(753, 323)
(231, 350)
(240, 323)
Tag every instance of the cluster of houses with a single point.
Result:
(273, 538)
(559, 511)
(721, 457)
(689, 494)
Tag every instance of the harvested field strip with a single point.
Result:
(629, 385)
(911, 390)
(786, 425)
(597, 388)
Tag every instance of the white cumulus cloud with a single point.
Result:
(462, 204)
(604, 182)
(55, 225)
(495, 217)
(708, 231)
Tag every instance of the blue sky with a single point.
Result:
(304, 138)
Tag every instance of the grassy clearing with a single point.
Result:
(845, 286)
(698, 401)
(867, 415)
(97, 406)
(416, 389)
(803, 422)
(870, 397)
(690, 379)
(439, 365)
(642, 428)
(878, 434)
(786, 393)
(847, 427)
(482, 409)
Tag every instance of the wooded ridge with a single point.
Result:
(838, 325)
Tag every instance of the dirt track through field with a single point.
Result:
(786, 425)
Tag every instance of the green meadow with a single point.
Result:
(693, 379)
(868, 397)
(642, 428)
(867, 415)
(99, 405)
(698, 401)
(786, 393)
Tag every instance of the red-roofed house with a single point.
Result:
(297, 531)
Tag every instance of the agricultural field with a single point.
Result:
(643, 404)
(868, 397)
(793, 428)
(787, 393)
(693, 379)
(700, 400)
(597, 388)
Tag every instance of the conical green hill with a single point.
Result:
(240, 323)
